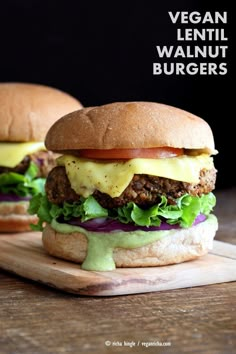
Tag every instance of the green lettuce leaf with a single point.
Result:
(208, 201)
(22, 185)
(85, 209)
(184, 212)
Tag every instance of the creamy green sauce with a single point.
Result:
(101, 245)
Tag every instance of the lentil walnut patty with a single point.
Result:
(45, 160)
(144, 190)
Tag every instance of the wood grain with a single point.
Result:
(23, 254)
(37, 319)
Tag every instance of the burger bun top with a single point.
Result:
(130, 125)
(28, 110)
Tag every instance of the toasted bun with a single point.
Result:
(176, 247)
(127, 125)
(27, 111)
(14, 217)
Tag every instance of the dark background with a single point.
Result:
(102, 51)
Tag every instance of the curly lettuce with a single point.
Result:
(22, 185)
(184, 212)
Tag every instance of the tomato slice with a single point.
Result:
(116, 154)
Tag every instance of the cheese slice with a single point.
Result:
(11, 154)
(112, 177)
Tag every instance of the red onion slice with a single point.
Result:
(108, 225)
(12, 198)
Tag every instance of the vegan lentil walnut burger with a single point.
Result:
(133, 187)
(26, 113)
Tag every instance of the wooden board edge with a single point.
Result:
(154, 283)
(223, 249)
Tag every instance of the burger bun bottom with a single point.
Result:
(14, 217)
(175, 247)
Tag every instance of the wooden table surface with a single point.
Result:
(35, 319)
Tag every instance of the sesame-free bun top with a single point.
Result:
(28, 110)
(129, 125)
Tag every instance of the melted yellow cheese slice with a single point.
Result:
(112, 177)
(11, 154)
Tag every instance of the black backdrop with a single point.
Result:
(102, 51)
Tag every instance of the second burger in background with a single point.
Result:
(26, 113)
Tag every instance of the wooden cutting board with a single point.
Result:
(23, 254)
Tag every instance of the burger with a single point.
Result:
(132, 187)
(26, 113)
